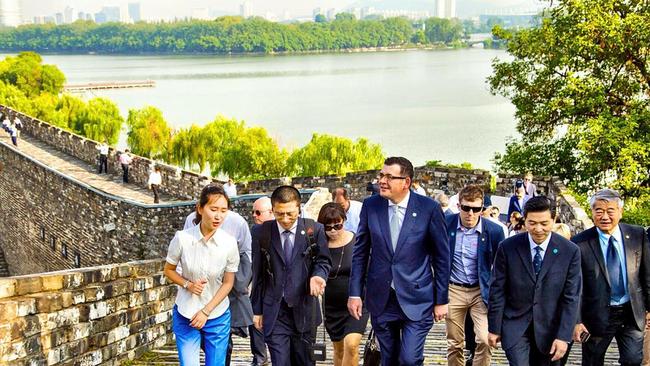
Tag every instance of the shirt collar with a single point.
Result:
(402, 204)
(544, 244)
(478, 227)
(198, 236)
(293, 228)
(618, 236)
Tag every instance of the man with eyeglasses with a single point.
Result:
(615, 298)
(289, 273)
(473, 244)
(400, 265)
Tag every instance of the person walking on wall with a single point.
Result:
(103, 158)
(155, 180)
(210, 259)
(125, 160)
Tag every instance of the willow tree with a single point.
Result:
(100, 121)
(149, 134)
(580, 83)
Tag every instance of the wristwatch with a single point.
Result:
(186, 284)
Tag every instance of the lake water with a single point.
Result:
(420, 104)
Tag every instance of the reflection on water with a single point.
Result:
(424, 105)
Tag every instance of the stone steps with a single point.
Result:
(435, 352)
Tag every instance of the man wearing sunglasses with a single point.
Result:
(473, 244)
(401, 243)
(262, 210)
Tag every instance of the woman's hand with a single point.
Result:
(196, 288)
(198, 320)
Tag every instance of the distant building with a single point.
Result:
(58, 17)
(49, 20)
(331, 14)
(108, 14)
(201, 13)
(68, 15)
(368, 10)
(135, 12)
(39, 19)
(446, 9)
(317, 11)
(246, 10)
(10, 13)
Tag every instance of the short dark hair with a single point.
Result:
(331, 212)
(285, 194)
(210, 190)
(406, 168)
(539, 204)
(471, 192)
(343, 190)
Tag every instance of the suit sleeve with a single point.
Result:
(511, 208)
(323, 262)
(498, 237)
(496, 297)
(258, 279)
(244, 272)
(440, 257)
(360, 254)
(570, 299)
(644, 275)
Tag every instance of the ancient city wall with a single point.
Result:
(91, 316)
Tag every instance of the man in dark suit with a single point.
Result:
(288, 274)
(616, 286)
(473, 243)
(534, 291)
(401, 243)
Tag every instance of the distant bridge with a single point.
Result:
(109, 85)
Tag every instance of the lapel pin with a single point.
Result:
(302, 232)
(453, 233)
(415, 214)
(555, 251)
(627, 236)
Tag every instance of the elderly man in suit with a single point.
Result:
(616, 287)
(473, 244)
(534, 291)
(401, 243)
(291, 263)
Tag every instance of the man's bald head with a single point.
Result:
(262, 210)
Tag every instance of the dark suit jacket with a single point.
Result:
(267, 295)
(517, 298)
(596, 290)
(422, 244)
(488, 242)
(514, 206)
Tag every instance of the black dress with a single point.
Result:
(338, 321)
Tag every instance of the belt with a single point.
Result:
(464, 284)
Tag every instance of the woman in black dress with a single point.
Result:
(344, 331)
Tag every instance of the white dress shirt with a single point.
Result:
(155, 178)
(352, 216)
(534, 245)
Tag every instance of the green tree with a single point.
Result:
(327, 155)
(27, 73)
(320, 18)
(580, 83)
(100, 121)
(149, 134)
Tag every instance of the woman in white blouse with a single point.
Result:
(209, 257)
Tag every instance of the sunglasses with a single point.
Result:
(257, 212)
(333, 227)
(471, 208)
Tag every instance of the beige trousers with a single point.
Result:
(462, 300)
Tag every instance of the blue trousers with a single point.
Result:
(213, 337)
(401, 340)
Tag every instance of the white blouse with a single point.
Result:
(203, 259)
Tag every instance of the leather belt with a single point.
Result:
(464, 284)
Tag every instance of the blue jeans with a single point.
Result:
(213, 338)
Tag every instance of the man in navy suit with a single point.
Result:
(401, 243)
(288, 273)
(518, 200)
(534, 291)
(473, 245)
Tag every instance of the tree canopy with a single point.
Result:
(149, 133)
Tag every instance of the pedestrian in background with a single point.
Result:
(155, 180)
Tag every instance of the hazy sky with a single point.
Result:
(153, 9)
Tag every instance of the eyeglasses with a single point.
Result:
(471, 208)
(287, 214)
(334, 227)
(258, 212)
(388, 177)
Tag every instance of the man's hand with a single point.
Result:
(257, 322)
(493, 339)
(355, 307)
(198, 320)
(196, 288)
(647, 320)
(440, 312)
(577, 331)
(317, 286)
(558, 349)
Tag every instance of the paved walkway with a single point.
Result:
(82, 171)
(435, 351)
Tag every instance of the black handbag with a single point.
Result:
(371, 352)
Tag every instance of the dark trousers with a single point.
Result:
(154, 188)
(401, 340)
(628, 338)
(526, 353)
(287, 345)
(125, 173)
(470, 336)
(258, 347)
(103, 163)
(14, 140)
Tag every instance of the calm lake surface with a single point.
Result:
(420, 104)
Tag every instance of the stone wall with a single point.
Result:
(91, 316)
(51, 222)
